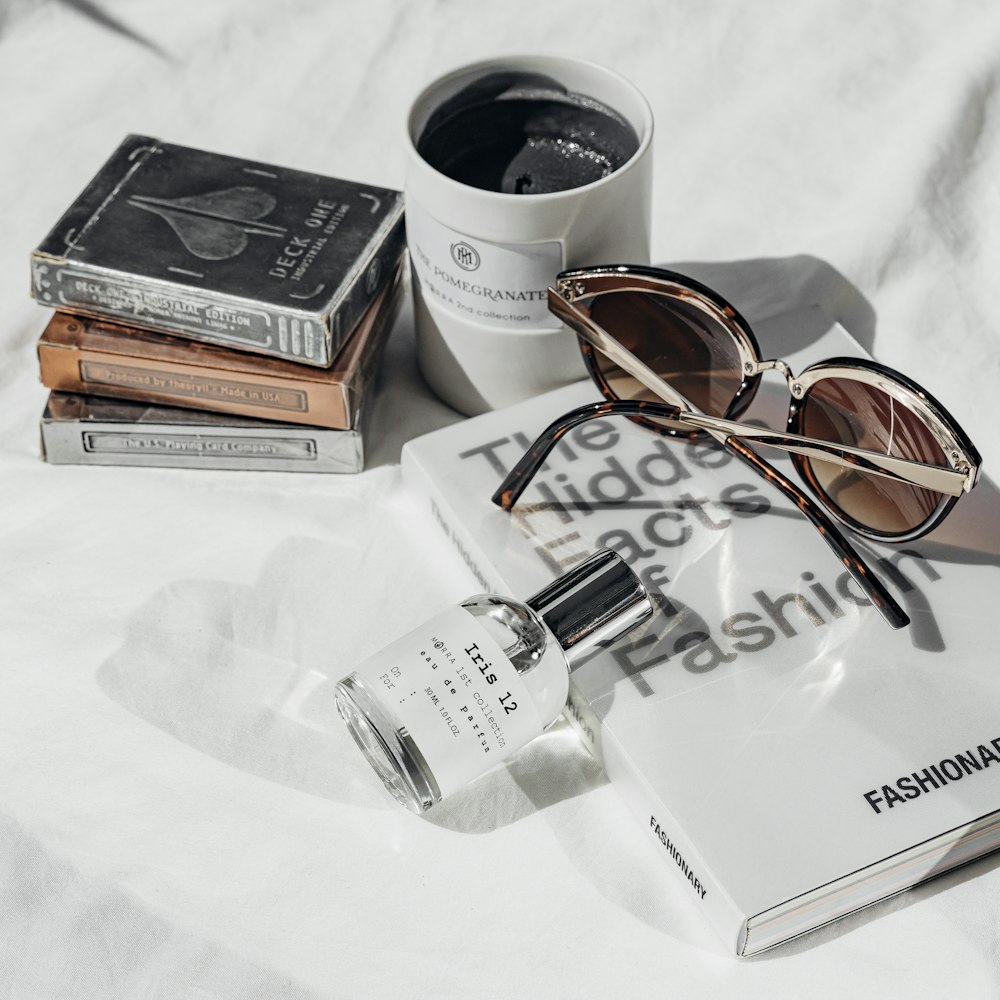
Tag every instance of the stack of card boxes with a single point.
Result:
(214, 312)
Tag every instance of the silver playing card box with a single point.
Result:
(95, 430)
(223, 250)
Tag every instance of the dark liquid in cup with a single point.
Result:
(524, 133)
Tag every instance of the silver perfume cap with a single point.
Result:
(592, 605)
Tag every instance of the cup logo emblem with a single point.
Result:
(465, 256)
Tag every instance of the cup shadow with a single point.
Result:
(246, 673)
(765, 287)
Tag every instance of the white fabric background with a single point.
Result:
(181, 815)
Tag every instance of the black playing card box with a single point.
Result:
(223, 250)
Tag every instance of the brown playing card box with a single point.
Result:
(78, 354)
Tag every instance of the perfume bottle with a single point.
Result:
(452, 699)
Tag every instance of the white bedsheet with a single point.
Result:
(181, 815)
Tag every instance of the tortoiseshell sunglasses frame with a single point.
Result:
(964, 460)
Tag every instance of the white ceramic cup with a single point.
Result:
(482, 259)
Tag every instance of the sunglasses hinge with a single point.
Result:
(570, 289)
(971, 474)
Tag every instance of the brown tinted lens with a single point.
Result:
(854, 413)
(685, 346)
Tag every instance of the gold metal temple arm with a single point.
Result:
(931, 477)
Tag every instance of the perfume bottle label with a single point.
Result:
(496, 284)
(461, 700)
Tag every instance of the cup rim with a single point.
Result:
(537, 63)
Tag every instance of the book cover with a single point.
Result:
(789, 755)
(228, 251)
(78, 354)
(97, 430)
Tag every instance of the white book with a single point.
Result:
(793, 758)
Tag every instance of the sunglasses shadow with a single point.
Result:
(971, 533)
(765, 287)
(970, 536)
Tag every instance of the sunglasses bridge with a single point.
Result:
(751, 368)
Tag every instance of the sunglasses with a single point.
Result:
(877, 451)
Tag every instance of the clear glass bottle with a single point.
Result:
(452, 699)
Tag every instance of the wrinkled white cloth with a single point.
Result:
(181, 814)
